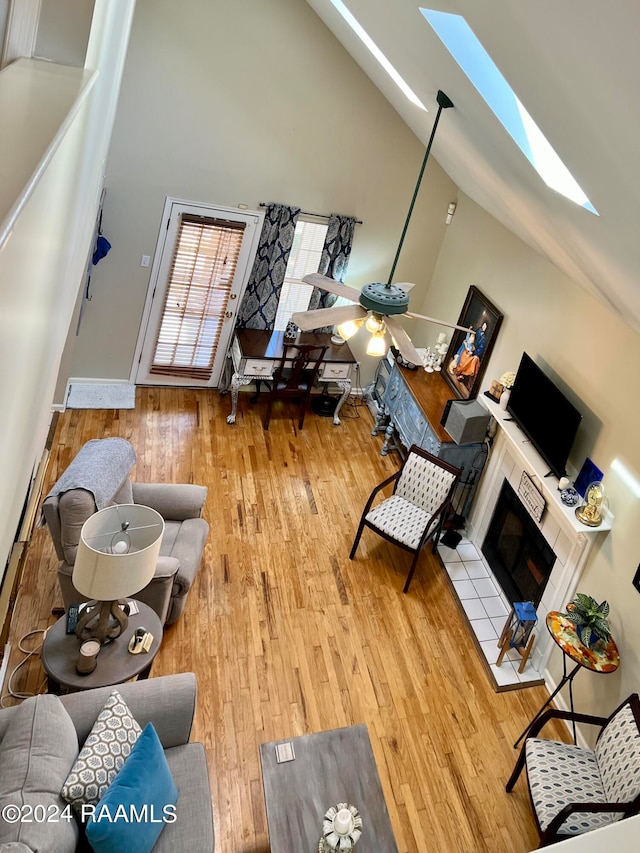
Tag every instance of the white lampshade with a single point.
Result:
(118, 551)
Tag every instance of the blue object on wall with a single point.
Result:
(103, 246)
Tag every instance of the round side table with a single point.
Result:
(600, 657)
(115, 663)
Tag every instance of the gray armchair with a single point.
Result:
(99, 477)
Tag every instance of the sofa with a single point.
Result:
(33, 769)
(99, 476)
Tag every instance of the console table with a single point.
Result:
(414, 402)
(255, 352)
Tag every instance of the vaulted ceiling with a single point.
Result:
(575, 65)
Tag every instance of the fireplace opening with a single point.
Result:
(516, 550)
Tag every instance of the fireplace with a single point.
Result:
(516, 550)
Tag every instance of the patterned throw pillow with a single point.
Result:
(110, 741)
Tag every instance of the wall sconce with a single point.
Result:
(450, 211)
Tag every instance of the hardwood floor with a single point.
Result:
(288, 636)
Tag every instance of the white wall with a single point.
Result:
(41, 265)
(229, 106)
(63, 31)
(4, 11)
(592, 355)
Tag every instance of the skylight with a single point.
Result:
(379, 55)
(461, 42)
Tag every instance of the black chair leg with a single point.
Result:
(267, 416)
(255, 397)
(305, 404)
(517, 770)
(356, 540)
(414, 563)
(437, 535)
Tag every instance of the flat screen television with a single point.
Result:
(544, 414)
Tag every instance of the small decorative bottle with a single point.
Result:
(341, 829)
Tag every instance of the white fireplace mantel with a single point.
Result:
(511, 455)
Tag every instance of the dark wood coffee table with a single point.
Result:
(330, 767)
(115, 663)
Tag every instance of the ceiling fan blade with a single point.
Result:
(319, 317)
(332, 286)
(433, 320)
(402, 341)
(405, 285)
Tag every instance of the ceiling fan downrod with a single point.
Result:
(444, 103)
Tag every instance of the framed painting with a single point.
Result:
(469, 352)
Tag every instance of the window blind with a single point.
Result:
(304, 258)
(200, 281)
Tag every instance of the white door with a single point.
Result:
(201, 267)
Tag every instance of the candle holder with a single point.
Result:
(87, 658)
(341, 828)
(441, 351)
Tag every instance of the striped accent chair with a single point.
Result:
(575, 789)
(415, 512)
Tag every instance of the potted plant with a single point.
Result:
(590, 618)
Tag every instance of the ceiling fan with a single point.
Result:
(378, 305)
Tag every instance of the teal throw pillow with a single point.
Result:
(140, 800)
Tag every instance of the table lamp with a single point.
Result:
(117, 555)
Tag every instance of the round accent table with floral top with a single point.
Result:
(599, 657)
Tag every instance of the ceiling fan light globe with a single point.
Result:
(374, 324)
(347, 330)
(377, 346)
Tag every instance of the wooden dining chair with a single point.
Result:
(294, 376)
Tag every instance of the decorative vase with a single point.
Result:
(291, 332)
(504, 398)
(592, 640)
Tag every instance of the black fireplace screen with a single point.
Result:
(516, 550)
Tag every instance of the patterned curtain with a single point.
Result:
(335, 257)
(260, 302)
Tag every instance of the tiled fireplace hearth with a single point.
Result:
(487, 601)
